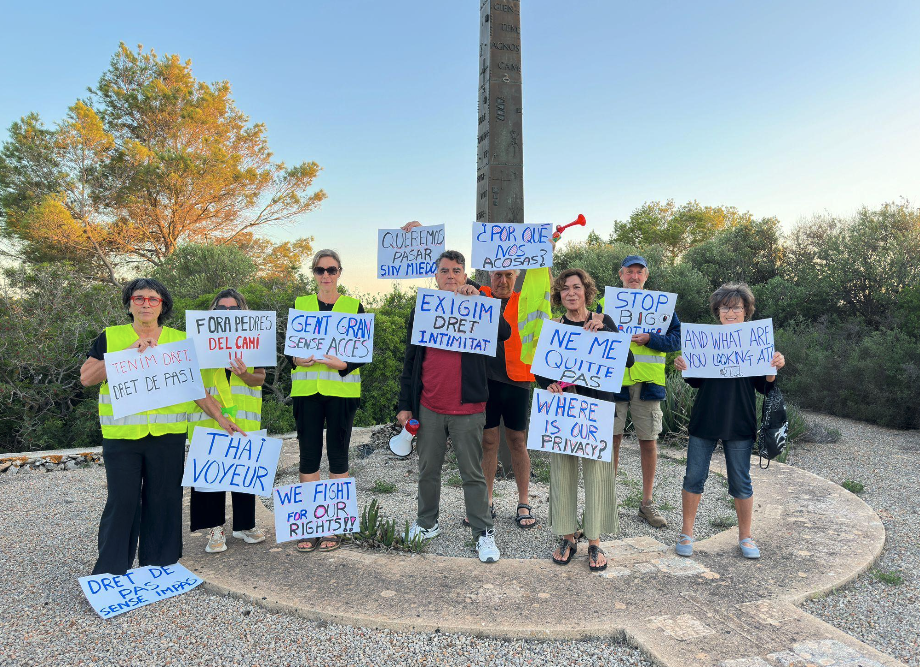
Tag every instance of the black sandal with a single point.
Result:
(593, 552)
(523, 517)
(565, 544)
(466, 522)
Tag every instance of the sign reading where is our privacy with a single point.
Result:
(592, 359)
(314, 509)
(221, 335)
(728, 350)
(161, 376)
(411, 254)
(350, 337)
(636, 311)
(218, 461)
(111, 595)
(450, 321)
(498, 246)
(567, 423)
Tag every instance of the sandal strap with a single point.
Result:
(747, 541)
(525, 506)
(684, 536)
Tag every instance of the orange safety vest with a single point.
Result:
(517, 369)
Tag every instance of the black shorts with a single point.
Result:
(510, 402)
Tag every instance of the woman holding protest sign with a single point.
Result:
(144, 453)
(724, 409)
(238, 390)
(573, 289)
(326, 391)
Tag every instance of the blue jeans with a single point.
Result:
(737, 464)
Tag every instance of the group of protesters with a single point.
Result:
(461, 396)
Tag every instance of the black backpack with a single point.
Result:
(771, 439)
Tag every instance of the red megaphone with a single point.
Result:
(580, 221)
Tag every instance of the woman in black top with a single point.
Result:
(724, 409)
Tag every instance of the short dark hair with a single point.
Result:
(586, 281)
(452, 255)
(730, 294)
(148, 283)
(229, 294)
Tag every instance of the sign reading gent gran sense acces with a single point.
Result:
(411, 254)
(349, 337)
(502, 246)
(161, 376)
(222, 335)
(450, 321)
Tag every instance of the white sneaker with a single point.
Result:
(252, 536)
(485, 545)
(416, 530)
(217, 541)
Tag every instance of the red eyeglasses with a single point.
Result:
(151, 300)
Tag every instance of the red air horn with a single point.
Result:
(580, 221)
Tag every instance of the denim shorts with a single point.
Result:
(737, 464)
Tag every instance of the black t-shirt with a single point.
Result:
(726, 408)
(496, 367)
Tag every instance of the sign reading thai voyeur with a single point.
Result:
(728, 351)
(412, 254)
(592, 359)
(218, 461)
(567, 423)
(636, 311)
(450, 321)
(222, 335)
(350, 337)
(503, 246)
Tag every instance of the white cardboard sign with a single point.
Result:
(636, 311)
(567, 423)
(111, 595)
(502, 246)
(348, 336)
(728, 350)
(218, 461)
(162, 376)
(412, 254)
(592, 359)
(221, 335)
(314, 509)
(450, 321)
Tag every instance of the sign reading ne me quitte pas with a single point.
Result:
(222, 335)
(592, 359)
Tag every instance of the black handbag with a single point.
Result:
(774, 426)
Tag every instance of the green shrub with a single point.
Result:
(277, 417)
(892, 577)
(383, 486)
(853, 486)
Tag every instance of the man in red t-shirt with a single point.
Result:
(447, 392)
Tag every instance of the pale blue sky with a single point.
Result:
(780, 108)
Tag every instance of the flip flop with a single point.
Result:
(593, 552)
(335, 539)
(311, 544)
(565, 544)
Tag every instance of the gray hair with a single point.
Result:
(730, 294)
(452, 255)
(325, 252)
(229, 294)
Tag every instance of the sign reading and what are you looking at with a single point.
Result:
(637, 311)
(111, 595)
(728, 350)
(567, 423)
(349, 337)
(160, 376)
(218, 461)
(455, 322)
(511, 246)
(592, 359)
(222, 335)
(412, 254)
(314, 509)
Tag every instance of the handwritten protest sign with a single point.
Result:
(571, 424)
(349, 337)
(241, 463)
(111, 595)
(221, 335)
(163, 375)
(411, 254)
(636, 311)
(314, 509)
(511, 246)
(728, 351)
(593, 359)
(455, 322)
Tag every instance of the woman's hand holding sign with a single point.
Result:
(334, 363)
(306, 362)
(778, 361)
(143, 343)
(595, 322)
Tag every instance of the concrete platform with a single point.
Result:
(715, 608)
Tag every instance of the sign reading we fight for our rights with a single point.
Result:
(498, 246)
(161, 376)
(450, 321)
(223, 462)
(222, 335)
(347, 336)
(314, 509)
(571, 424)
(592, 359)
(111, 595)
(636, 311)
(728, 350)
(411, 254)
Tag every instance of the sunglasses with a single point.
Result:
(219, 307)
(141, 300)
(320, 270)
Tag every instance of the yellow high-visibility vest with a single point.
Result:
(533, 309)
(649, 364)
(239, 402)
(319, 378)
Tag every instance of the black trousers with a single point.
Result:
(337, 415)
(209, 509)
(144, 505)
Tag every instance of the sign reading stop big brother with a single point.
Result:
(343, 335)
(511, 246)
(111, 595)
(592, 359)
(221, 335)
(162, 376)
(314, 509)
(450, 321)
(636, 311)
(571, 424)
(412, 254)
(728, 351)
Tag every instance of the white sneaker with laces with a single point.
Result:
(251, 536)
(416, 530)
(217, 541)
(485, 545)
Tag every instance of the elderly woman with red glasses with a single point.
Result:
(144, 453)
(325, 393)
